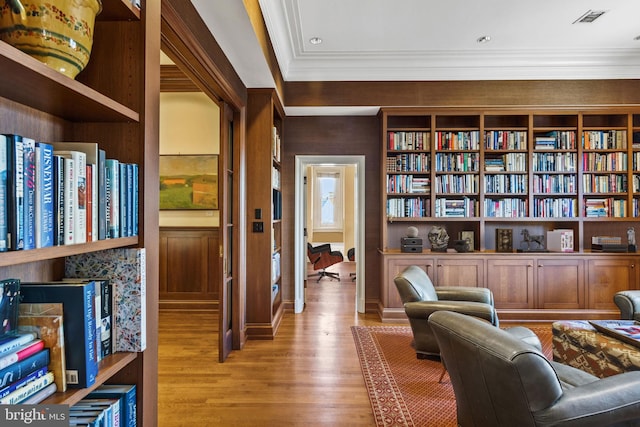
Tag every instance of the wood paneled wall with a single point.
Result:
(322, 135)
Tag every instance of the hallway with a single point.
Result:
(309, 375)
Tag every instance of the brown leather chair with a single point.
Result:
(322, 257)
(498, 380)
(421, 298)
(629, 304)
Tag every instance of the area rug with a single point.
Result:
(403, 390)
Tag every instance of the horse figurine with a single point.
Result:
(528, 239)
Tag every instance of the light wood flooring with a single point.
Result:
(309, 375)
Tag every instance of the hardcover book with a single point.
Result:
(79, 319)
(112, 183)
(79, 192)
(9, 301)
(504, 240)
(58, 200)
(126, 393)
(27, 390)
(4, 219)
(46, 321)
(69, 200)
(21, 369)
(17, 384)
(44, 195)
(29, 182)
(126, 270)
(15, 190)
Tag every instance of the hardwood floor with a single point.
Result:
(308, 376)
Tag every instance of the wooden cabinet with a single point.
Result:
(189, 268)
(607, 276)
(113, 102)
(512, 282)
(560, 283)
(454, 271)
(265, 121)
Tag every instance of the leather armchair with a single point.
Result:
(629, 304)
(498, 380)
(421, 298)
(322, 257)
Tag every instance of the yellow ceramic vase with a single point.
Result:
(58, 33)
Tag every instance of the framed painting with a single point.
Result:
(188, 182)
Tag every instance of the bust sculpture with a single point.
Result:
(438, 238)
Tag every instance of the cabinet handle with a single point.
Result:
(439, 265)
(540, 265)
(633, 266)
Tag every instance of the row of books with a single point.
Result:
(604, 162)
(505, 140)
(462, 140)
(275, 144)
(554, 162)
(457, 184)
(604, 140)
(605, 207)
(556, 140)
(110, 405)
(413, 162)
(457, 162)
(505, 208)
(561, 207)
(507, 183)
(604, 183)
(636, 160)
(409, 140)
(63, 193)
(510, 162)
(545, 183)
(456, 208)
(408, 184)
(408, 207)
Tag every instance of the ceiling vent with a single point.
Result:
(589, 16)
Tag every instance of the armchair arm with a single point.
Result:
(464, 293)
(629, 304)
(423, 309)
(608, 401)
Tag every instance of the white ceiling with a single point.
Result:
(430, 40)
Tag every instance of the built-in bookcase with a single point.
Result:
(485, 170)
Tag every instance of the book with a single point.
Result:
(27, 390)
(41, 395)
(21, 369)
(15, 190)
(126, 270)
(126, 393)
(112, 183)
(124, 200)
(17, 384)
(135, 199)
(44, 195)
(29, 182)
(9, 300)
(79, 319)
(90, 193)
(21, 353)
(4, 219)
(58, 200)
(12, 342)
(69, 200)
(46, 321)
(102, 196)
(110, 407)
(79, 192)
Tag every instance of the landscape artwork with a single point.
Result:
(189, 182)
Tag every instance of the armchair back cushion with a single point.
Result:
(415, 285)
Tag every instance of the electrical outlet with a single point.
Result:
(258, 227)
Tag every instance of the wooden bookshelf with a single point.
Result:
(113, 102)
(538, 170)
(264, 204)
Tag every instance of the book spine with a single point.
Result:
(91, 357)
(15, 187)
(94, 202)
(27, 390)
(4, 220)
(123, 200)
(89, 205)
(69, 201)
(17, 384)
(15, 342)
(21, 353)
(130, 199)
(45, 194)
(40, 395)
(29, 182)
(102, 196)
(24, 367)
(106, 315)
(113, 204)
(128, 401)
(135, 199)
(80, 231)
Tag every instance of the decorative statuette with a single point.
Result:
(631, 238)
(438, 238)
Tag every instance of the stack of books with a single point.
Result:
(108, 405)
(608, 244)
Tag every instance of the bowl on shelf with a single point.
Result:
(59, 34)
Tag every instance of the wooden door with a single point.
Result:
(607, 276)
(560, 283)
(459, 272)
(511, 282)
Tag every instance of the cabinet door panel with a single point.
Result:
(605, 277)
(459, 272)
(560, 284)
(391, 298)
(511, 281)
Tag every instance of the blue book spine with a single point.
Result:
(44, 192)
(129, 199)
(78, 312)
(15, 190)
(15, 385)
(4, 220)
(113, 198)
(123, 200)
(135, 199)
(127, 395)
(21, 369)
(29, 153)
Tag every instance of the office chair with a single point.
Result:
(322, 257)
(351, 255)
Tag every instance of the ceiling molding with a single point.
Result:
(172, 79)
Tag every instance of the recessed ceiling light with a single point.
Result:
(589, 16)
(483, 39)
(315, 40)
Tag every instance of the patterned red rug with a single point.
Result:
(403, 390)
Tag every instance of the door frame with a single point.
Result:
(300, 250)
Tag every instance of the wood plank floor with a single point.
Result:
(308, 376)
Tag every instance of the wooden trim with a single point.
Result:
(172, 79)
(189, 305)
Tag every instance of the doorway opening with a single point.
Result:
(301, 165)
